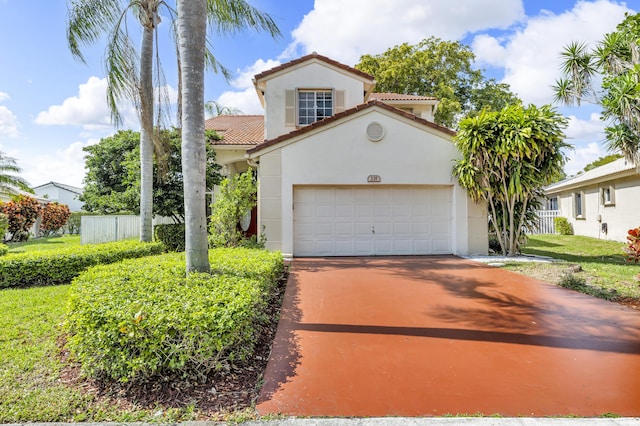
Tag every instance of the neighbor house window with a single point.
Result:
(314, 105)
(578, 205)
(607, 195)
(552, 204)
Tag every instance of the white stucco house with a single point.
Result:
(345, 171)
(602, 203)
(63, 194)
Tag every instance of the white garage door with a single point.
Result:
(356, 221)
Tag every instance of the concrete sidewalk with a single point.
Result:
(392, 421)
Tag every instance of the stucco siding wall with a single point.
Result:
(343, 155)
(310, 76)
(270, 200)
(619, 217)
(477, 221)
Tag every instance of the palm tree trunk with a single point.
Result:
(146, 135)
(191, 38)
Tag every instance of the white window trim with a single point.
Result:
(612, 196)
(574, 200)
(292, 107)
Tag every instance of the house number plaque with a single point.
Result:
(374, 178)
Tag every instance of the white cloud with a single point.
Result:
(3, 96)
(582, 156)
(488, 50)
(587, 136)
(345, 30)
(88, 109)
(244, 80)
(245, 98)
(531, 55)
(64, 165)
(8, 123)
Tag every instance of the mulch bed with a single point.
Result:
(220, 394)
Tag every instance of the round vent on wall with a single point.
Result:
(375, 131)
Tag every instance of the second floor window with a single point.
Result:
(314, 105)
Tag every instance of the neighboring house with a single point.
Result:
(602, 203)
(344, 171)
(63, 194)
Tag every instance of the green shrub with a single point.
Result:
(236, 198)
(142, 319)
(563, 226)
(73, 224)
(171, 236)
(4, 249)
(61, 266)
(4, 225)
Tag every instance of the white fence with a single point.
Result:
(545, 221)
(104, 229)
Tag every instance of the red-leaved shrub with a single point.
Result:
(22, 213)
(54, 217)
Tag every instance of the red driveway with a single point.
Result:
(440, 335)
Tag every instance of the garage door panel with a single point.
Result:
(340, 221)
(344, 229)
(363, 229)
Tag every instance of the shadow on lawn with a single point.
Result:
(607, 259)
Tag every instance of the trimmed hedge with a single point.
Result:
(61, 266)
(171, 235)
(143, 319)
(4, 249)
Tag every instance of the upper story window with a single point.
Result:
(306, 106)
(314, 105)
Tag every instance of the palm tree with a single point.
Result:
(192, 33)
(227, 16)
(617, 59)
(130, 74)
(215, 109)
(10, 183)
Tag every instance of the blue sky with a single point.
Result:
(51, 105)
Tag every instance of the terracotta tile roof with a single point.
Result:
(385, 96)
(313, 55)
(346, 113)
(237, 129)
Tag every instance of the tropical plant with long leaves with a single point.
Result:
(10, 182)
(132, 74)
(508, 156)
(617, 59)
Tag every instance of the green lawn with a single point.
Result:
(604, 266)
(40, 244)
(31, 384)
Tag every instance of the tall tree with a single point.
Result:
(617, 58)
(225, 16)
(192, 33)
(438, 68)
(10, 182)
(131, 74)
(112, 181)
(508, 156)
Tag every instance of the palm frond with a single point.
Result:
(228, 16)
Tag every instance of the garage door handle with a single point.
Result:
(373, 230)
